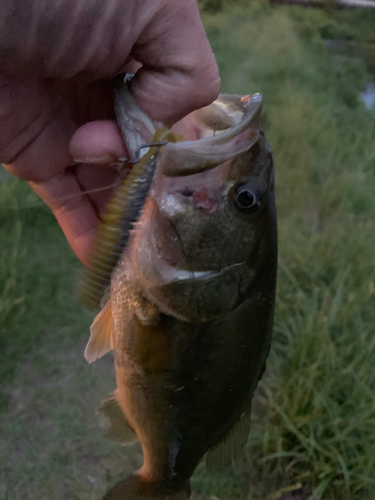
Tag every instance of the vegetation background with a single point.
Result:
(313, 432)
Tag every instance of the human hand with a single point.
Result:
(58, 61)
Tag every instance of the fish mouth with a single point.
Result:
(215, 133)
(221, 131)
(201, 166)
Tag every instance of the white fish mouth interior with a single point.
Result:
(218, 117)
(224, 129)
(227, 112)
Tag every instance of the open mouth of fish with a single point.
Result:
(211, 135)
(219, 132)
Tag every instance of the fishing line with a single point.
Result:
(61, 198)
(96, 190)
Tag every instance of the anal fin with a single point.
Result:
(222, 453)
(119, 429)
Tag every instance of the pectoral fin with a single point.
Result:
(100, 341)
(119, 429)
(221, 454)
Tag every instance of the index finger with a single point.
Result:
(179, 72)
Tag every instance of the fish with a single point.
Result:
(189, 310)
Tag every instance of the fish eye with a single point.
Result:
(246, 200)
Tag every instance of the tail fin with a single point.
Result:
(136, 488)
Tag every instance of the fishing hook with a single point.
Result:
(137, 158)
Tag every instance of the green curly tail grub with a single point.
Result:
(122, 212)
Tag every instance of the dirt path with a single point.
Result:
(51, 440)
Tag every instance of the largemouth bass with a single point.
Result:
(190, 308)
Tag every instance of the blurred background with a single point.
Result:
(313, 434)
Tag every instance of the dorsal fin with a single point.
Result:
(221, 454)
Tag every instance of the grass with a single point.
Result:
(52, 443)
(314, 411)
(314, 416)
(38, 273)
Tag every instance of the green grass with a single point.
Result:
(38, 274)
(314, 411)
(51, 439)
(353, 25)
